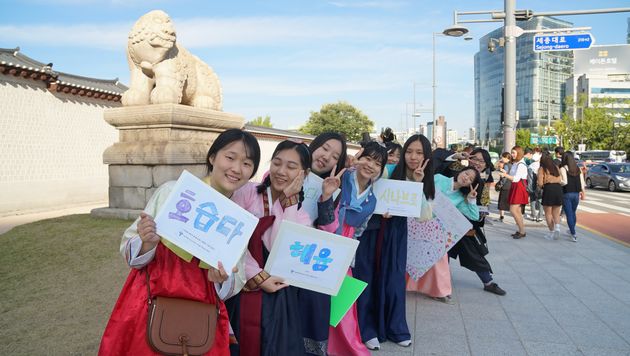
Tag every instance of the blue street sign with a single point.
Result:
(566, 42)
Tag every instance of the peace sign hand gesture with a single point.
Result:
(351, 161)
(331, 184)
(473, 192)
(418, 173)
(295, 186)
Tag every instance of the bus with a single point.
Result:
(602, 156)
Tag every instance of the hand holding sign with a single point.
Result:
(273, 284)
(418, 174)
(331, 184)
(146, 230)
(219, 275)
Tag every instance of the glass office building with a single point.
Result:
(540, 78)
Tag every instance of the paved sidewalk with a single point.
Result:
(563, 298)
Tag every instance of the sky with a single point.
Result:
(286, 59)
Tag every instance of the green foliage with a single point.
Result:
(261, 121)
(522, 138)
(600, 126)
(339, 117)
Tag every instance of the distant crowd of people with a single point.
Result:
(540, 178)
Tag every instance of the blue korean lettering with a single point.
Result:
(296, 249)
(236, 232)
(307, 255)
(206, 218)
(222, 229)
(322, 260)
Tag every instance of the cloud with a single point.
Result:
(369, 4)
(222, 32)
(290, 87)
(107, 36)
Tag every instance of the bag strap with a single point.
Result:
(149, 299)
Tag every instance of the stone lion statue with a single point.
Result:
(163, 72)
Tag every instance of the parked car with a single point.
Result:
(614, 176)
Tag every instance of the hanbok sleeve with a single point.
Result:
(131, 243)
(333, 217)
(469, 209)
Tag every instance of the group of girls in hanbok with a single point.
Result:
(258, 313)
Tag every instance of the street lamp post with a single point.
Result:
(509, 16)
(434, 85)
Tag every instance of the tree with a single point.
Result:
(261, 121)
(522, 138)
(339, 117)
(595, 125)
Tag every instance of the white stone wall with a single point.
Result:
(51, 147)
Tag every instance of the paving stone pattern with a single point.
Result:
(563, 298)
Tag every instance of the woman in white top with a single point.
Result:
(518, 197)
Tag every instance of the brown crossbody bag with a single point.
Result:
(177, 326)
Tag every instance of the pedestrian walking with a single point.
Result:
(573, 188)
(503, 185)
(535, 192)
(518, 197)
(549, 180)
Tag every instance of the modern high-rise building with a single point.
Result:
(602, 77)
(628, 33)
(472, 132)
(451, 137)
(539, 75)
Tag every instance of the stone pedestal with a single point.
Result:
(157, 142)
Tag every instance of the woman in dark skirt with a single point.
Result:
(504, 166)
(265, 316)
(549, 180)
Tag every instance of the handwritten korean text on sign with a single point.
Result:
(205, 223)
(398, 198)
(310, 258)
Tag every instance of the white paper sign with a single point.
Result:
(312, 191)
(452, 220)
(398, 197)
(309, 258)
(205, 223)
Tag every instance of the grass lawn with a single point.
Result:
(59, 281)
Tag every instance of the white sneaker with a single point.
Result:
(373, 344)
(573, 238)
(404, 343)
(556, 234)
(549, 235)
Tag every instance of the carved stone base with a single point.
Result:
(157, 142)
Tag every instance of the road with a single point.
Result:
(606, 213)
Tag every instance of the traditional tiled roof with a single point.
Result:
(12, 62)
(269, 132)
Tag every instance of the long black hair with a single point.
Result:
(477, 181)
(252, 149)
(546, 162)
(400, 172)
(568, 161)
(305, 161)
(376, 151)
(323, 138)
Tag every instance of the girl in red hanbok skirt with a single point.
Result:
(232, 160)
